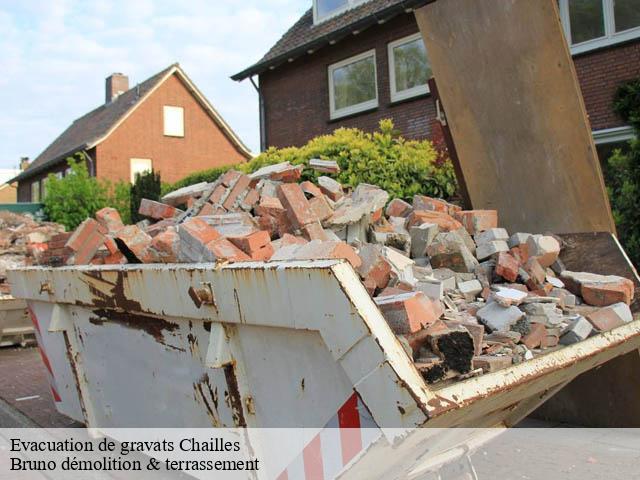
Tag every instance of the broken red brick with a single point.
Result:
(321, 208)
(157, 210)
(445, 222)
(224, 250)
(398, 208)
(252, 242)
(110, 219)
(218, 194)
(610, 317)
(421, 202)
(535, 336)
(407, 313)
(134, 243)
(317, 250)
(375, 267)
(85, 241)
(263, 254)
(200, 230)
(311, 189)
(603, 294)
(476, 221)
(241, 184)
(537, 275)
(250, 200)
(507, 267)
(314, 231)
(294, 201)
(229, 178)
(165, 245)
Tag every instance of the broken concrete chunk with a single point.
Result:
(491, 235)
(432, 288)
(498, 318)
(284, 172)
(536, 335)
(330, 188)
(319, 250)
(470, 289)
(578, 330)
(518, 239)
(324, 166)
(509, 296)
(488, 249)
(492, 363)
(545, 248)
(447, 250)
(182, 195)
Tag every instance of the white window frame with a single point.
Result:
(411, 92)
(133, 173)
(350, 4)
(172, 131)
(611, 37)
(360, 107)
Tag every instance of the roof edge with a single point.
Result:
(337, 35)
(30, 172)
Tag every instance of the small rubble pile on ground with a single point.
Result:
(463, 296)
(23, 241)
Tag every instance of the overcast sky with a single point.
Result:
(55, 55)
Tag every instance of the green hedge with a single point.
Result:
(622, 173)
(402, 167)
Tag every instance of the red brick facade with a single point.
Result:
(296, 95)
(600, 73)
(141, 135)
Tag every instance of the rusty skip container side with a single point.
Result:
(16, 327)
(281, 344)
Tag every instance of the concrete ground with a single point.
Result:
(25, 396)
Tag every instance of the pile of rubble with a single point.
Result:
(23, 241)
(463, 296)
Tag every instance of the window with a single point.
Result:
(590, 24)
(35, 192)
(352, 85)
(409, 68)
(138, 166)
(173, 121)
(44, 187)
(325, 9)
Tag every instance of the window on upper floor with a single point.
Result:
(353, 86)
(590, 24)
(35, 192)
(173, 121)
(409, 68)
(325, 9)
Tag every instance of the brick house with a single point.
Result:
(350, 63)
(164, 123)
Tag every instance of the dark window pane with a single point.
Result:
(587, 20)
(627, 14)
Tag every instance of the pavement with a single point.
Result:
(25, 396)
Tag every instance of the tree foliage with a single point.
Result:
(70, 200)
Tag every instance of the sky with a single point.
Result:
(56, 54)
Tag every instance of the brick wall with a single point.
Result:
(600, 73)
(297, 99)
(203, 146)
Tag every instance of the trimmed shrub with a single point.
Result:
(402, 167)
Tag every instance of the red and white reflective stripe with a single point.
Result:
(45, 358)
(346, 435)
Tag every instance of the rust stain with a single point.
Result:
(193, 343)
(440, 405)
(194, 297)
(74, 370)
(232, 397)
(113, 296)
(200, 393)
(154, 326)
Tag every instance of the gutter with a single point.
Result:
(30, 172)
(334, 36)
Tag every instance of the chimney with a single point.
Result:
(24, 163)
(116, 84)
